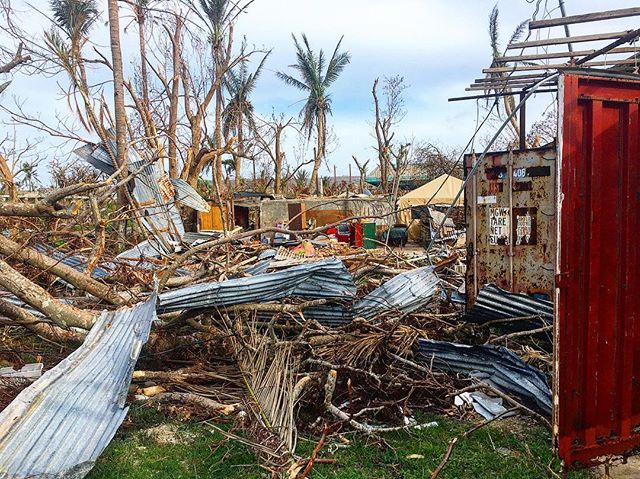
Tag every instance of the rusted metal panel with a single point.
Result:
(510, 210)
(597, 355)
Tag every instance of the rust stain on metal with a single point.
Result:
(510, 208)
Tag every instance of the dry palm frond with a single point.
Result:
(268, 372)
(368, 348)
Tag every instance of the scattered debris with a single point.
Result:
(28, 371)
(167, 434)
(495, 365)
(484, 405)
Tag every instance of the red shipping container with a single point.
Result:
(597, 332)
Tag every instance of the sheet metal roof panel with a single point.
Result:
(406, 292)
(188, 196)
(322, 279)
(59, 425)
(493, 302)
(496, 364)
(159, 214)
(79, 263)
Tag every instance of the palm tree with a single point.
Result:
(120, 112)
(219, 14)
(509, 101)
(315, 80)
(140, 12)
(75, 17)
(239, 110)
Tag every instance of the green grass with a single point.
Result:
(508, 450)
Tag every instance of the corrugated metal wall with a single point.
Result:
(510, 211)
(597, 400)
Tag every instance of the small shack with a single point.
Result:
(313, 212)
(441, 191)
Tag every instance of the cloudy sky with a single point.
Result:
(439, 46)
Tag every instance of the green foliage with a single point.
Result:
(217, 12)
(239, 109)
(314, 79)
(74, 17)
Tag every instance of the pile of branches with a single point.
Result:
(264, 369)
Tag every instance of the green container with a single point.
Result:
(369, 235)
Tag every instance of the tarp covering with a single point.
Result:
(441, 191)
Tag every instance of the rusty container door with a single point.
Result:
(510, 211)
(597, 338)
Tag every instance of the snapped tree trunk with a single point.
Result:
(24, 318)
(61, 270)
(279, 157)
(173, 104)
(238, 157)
(60, 313)
(319, 153)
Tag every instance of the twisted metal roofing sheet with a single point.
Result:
(188, 196)
(496, 303)
(322, 279)
(79, 263)
(58, 426)
(406, 292)
(495, 365)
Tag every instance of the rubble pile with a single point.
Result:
(308, 335)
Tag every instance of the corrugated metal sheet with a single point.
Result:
(260, 267)
(146, 255)
(153, 190)
(194, 238)
(159, 214)
(189, 196)
(97, 157)
(496, 303)
(510, 211)
(495, 365)
(322, 279)
(598, 304)
(59, 425)
(79, 263)
(406, 292)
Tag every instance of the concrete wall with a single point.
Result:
(325, 210)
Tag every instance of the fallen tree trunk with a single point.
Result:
(69, 274)
(29, 210)
(61, 314)
(48, 206)
(209, 405)
(24, 318)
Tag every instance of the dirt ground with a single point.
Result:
(630, 470)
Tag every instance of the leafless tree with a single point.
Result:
(389, 111)
(432, 160)
(362, 169)
(269, 137)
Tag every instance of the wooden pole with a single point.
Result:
(588, 17)
(564, 40)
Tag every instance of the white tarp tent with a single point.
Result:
(441, 191)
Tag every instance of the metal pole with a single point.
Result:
(566, 27)
(523, 122)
